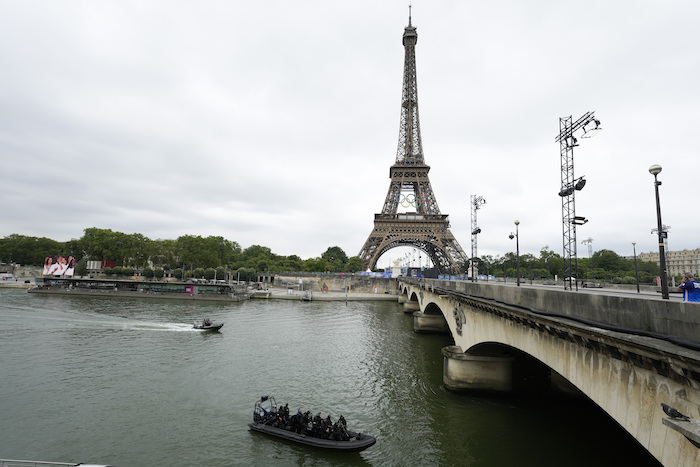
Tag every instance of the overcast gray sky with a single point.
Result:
(275, 122)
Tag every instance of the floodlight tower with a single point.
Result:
(589, 240)
(476, 203)
(664, 234)
(570, 185)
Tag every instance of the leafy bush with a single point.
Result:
(246, 274)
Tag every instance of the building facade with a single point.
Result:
(677, 262)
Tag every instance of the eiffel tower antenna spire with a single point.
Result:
(410, 145)
(424, 227)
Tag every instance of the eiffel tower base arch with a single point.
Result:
(428, 233)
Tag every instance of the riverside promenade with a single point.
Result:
(17, 284)
(306, 295)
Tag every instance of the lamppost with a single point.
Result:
(517, 252)
(656, 170)
(636, 270)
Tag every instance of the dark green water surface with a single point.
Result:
(129, 382)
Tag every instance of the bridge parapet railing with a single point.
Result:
(674, 320)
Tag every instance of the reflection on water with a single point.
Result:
(130, 383)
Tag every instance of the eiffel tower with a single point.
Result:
(424, 228)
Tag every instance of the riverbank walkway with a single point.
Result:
(317, 296)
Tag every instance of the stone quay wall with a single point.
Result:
(316, 282)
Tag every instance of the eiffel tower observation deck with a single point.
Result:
(422, 225)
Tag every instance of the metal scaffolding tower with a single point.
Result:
(569, 186)
(476, 203)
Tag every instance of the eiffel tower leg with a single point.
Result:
(369, 250)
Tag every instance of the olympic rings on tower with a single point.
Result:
(411, 199)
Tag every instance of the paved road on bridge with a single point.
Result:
(673, 295)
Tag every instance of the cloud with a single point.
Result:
(275, 123)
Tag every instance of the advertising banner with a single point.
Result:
(59, 266)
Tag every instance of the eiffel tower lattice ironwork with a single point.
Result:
(425, 228)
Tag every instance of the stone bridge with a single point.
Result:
(501, 346)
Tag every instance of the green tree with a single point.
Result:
(315, 265)
(81, 268)
(255, 251)
(103, 245)
(550, 262)
(164, 253)
(147, 272)
(246, 274)
(220, 273)
(21, 249)
(197, 251)
(138, 249)
(335, 253)
(608, 260)
(354, 264)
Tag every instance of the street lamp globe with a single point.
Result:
(655, 169)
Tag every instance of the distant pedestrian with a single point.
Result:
(690, 288)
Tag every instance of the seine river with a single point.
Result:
(128, 382)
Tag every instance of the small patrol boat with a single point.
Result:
(207, 325)
(268, 419)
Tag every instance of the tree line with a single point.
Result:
(187, 256)
(196, 256)
(604, 265)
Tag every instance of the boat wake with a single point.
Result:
(174, 327)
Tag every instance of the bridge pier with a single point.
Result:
(402, 299)
(410, 307)
(464, 372)
(429, 323)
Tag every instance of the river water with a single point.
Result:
(128, 382)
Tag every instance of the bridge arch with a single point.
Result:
(426, 242)
(433, 308)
